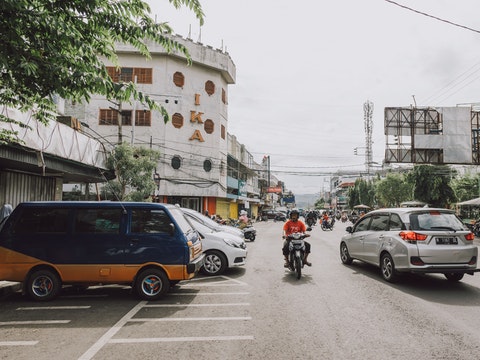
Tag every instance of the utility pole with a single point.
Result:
(368, 112)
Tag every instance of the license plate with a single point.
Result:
(447, 241)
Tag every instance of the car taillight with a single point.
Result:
(412, 236)
(470, 236)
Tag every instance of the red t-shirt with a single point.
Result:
(291, 227)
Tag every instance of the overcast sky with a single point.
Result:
(305, 69)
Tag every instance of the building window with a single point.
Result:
(179, 79)
(176, 162)
(224, 96)
(126, 74)
(208, 125)
(210, 87)
(143, 118)
(177, 120)
(110, 117)
(222, 132)
(207, 165)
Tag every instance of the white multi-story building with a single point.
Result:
(193, 169)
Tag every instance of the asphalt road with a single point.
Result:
(259, 311)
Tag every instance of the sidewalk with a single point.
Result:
(7, 287)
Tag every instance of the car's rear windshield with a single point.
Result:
(435, 220)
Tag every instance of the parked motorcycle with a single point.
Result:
(296, 248)
(476, 228)
(249, 232)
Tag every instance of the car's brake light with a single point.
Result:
(412, 236)
(470, 236)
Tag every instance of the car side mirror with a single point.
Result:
(349, 229)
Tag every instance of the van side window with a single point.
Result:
(150, 221)
(98, 221)
(42, 220)
(396, 223)
(379, 222)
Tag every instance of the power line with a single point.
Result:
(433, 17)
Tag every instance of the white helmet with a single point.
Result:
(243, 212)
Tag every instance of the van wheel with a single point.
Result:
(152, 284)
(43, 285)
(215, 263)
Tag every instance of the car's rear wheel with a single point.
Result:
(43, 285)
(152, 284)
(387, 267)
(454, 276)
(215, 263)
(344, 254)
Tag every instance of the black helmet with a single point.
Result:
(294, 211)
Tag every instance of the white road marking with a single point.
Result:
(195, 305)
(54, 308)
(34, 322)
(18, 343)
(181, 339)
(192, 319)
(207, 294)
(90, 353)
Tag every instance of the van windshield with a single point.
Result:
(181, 221)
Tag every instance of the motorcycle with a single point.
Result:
(327, 224)
(296, 248)
(249, 233)
(476, 228)
(310, 221)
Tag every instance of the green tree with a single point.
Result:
(431, 184)
(363, 192)
(392, 190)
(56, 48)
(134, 168)
(466, 187)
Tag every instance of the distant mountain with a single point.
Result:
(306, 201)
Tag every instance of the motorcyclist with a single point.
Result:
(243, 219)
(325, 219)
(294, 225)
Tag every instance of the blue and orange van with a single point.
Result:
(149, 246)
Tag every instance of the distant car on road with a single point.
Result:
(273, 214)
(411, 240)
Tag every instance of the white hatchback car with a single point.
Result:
(415, 240)
(222, 249)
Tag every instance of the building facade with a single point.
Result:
(202, 166)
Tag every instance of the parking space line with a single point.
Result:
(238, 318)
(207, 294)
(195, 305)
(90, 353)
(18, 343)
(34, 322)
(54, 307)
(182, 339)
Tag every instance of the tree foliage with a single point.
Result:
(56, 48)
(134, 168)
(392, 190)
(363, 192)
(466, 187)
(431, 184)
